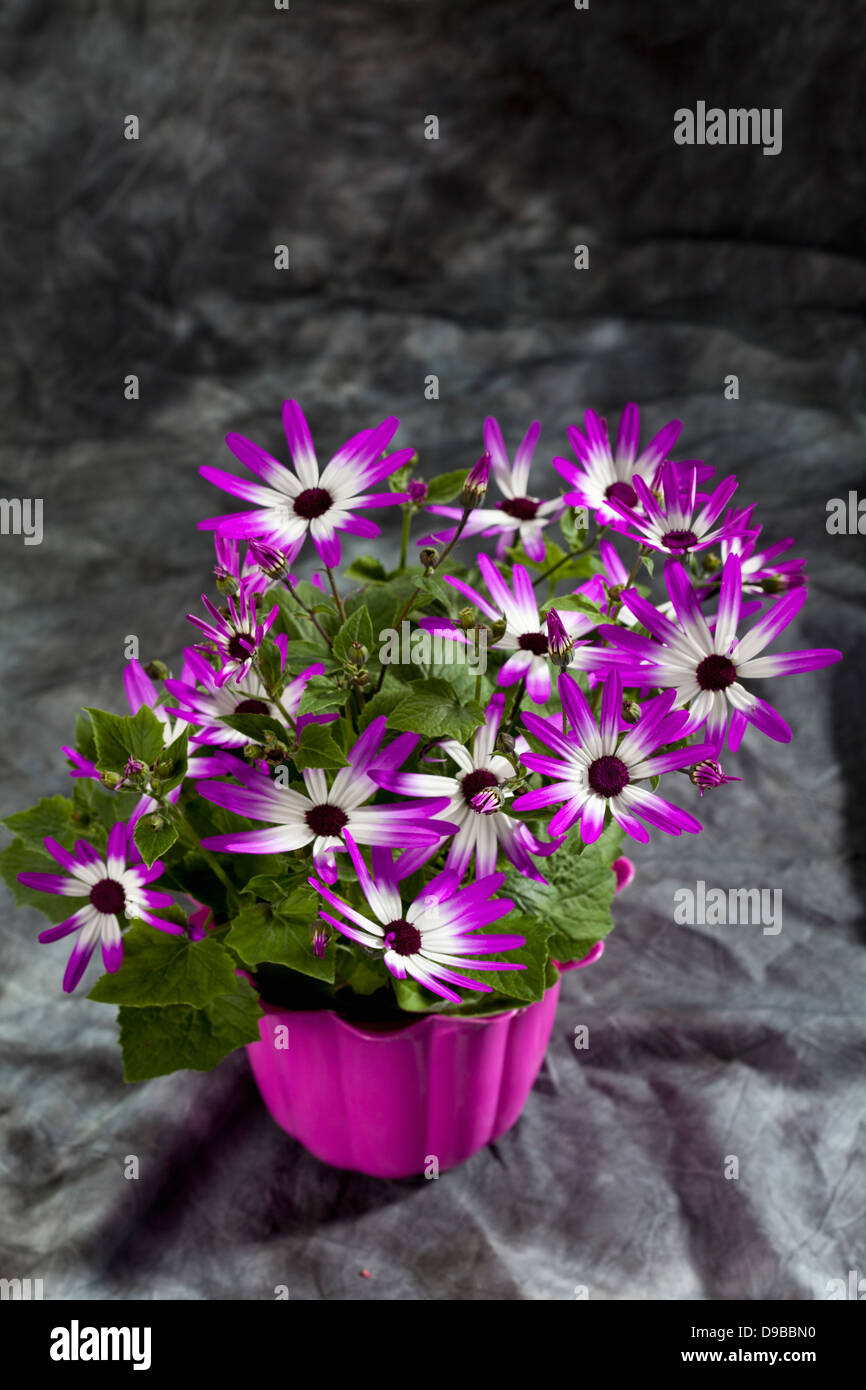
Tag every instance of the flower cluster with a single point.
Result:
(329, 808)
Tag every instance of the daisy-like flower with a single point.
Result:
(703, 667)
(474, 803)
(605, 474)
(236, 635)
(525, 632)
(518, 515)
(204, 703)
(677, 527)
(425, 938)
(763, 572)
(289, 504)
(325, 813)
(596, 767)
(113, 886)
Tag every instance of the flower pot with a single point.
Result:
(387, 1100)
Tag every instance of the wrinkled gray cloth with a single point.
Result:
(455, 258)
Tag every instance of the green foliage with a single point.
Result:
(155, 1041)
(159, 968)
(318, 748)
(434, 709)
(52, 816)
(280, 936)
(446, 487)
(575, 903)
(121, 737)
(154, 835)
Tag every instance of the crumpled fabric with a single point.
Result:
(412, 258)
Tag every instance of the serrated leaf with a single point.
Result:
(445, 488)
(301, 654)
(153, 842)
(255, 726)
(576, 901)
(156, 1041)
(174, 758)
(121, 737)
(84, 741)
(383, 702)
(529, 984)
(159, 968)
(19, 858)
(318, 748)
(357, 628)
(322, 696)
(50, 816)
(259, 933)
(434, 710)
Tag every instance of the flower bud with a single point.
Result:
(417, 491)
(272, 562)
(467, 619)
(709, 774)
(475, 487)
(559, 644)
(157, 670)
(357, 654)
(110, 779)
(319, 938)
(429, 557)
(497, 630)
(711, 562)
(226, 583)
(631, 711)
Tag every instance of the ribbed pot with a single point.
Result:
(388, 1101)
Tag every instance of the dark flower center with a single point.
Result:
(475, 782)
(251, 707)
(326, 820)
(108, 896)
(402, 937)
(622, 492)
(534, 642)
(313, 502)
(608, 776)
(680, 540)
(716, 673)
(521, 508)
(237, 649)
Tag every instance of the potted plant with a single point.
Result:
(377, 812)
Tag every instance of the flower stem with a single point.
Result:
(404, 536)
(642, 550)
(572, 555)
(309, 612)
(336, 592)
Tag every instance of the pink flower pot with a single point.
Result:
(387, 1101)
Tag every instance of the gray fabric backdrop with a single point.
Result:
(454, 257)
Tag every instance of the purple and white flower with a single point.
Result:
(518, 515)
(704, 668)
(204, 703)
(290, 504)
(762, 570)
(235, 574)
(596, 767)
(526, 630)
(431, 935)
(324, 813)
(115, 885)
(474, 803)
(236, 635)
(677, 527)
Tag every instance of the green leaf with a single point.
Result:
(255, 726)
(318, 748)
(574, 603)
(96, 808)
(19, 858)
(259, 933)
(356, 628)
(437, 590)
(121, 737)
(528, 984)
(574, 534)
(366, 568)
(434, 710)
(575, 903)
(446, 487)
(172, 763)
(84, 741)
(383, 702)
(322, 696)
(154, 835)
(301, 654)
(155, 1041)
(50, 816)
(362, 973)
(159, 968)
